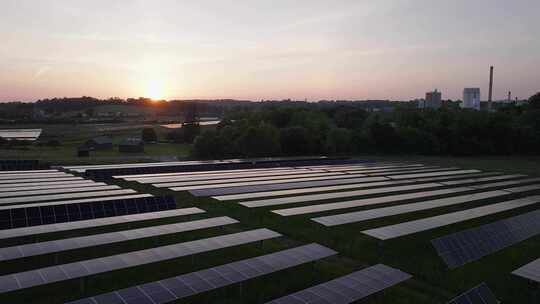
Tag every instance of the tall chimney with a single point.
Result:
(509, 96)
(490, 87)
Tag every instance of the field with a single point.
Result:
(432, 282)
(72, 136)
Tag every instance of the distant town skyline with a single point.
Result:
(345, 49)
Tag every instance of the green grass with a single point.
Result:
(72, 136)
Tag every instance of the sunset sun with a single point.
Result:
(155, 90)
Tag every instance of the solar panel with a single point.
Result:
(266, 182)
(33, 175)
(406, 228)
(186, 285)
(209, 173)
(292, 173)
(55, 191)
(35, 180)
(529, 271)
(51, 197)
(333, 195)
(47, 275)
(294, 185)
(480, 294)
(77, 201)
(58, 213)
(484, 179)
(282, 186)
(522, 188)
(366, 202)
(28, 250)
(28, 171)
(364, 215)
(508, 183)
(466, 246)
(98, 222)
(239, 180)
(406, 176)
(81, 169)
(208, 177)
(399, 171)
(305, 190)
(350, 288)
(368, 168)
(53, 186)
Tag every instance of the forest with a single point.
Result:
(283, 130)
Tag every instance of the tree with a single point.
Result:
(534, 101)
(149, 135)
(339, 141)
(190, 131)
(259, 141)
(295, 141)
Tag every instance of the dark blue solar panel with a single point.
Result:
(460, 248)
(33, 216)
(480, 294)
(17, 165)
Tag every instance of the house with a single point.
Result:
(99, 143)
(83, 151)
(131, 145)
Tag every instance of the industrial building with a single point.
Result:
(471, 98)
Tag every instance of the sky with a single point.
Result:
(267, 49)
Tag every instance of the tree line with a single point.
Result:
(284, 130)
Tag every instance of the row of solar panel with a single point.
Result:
(62, 196)
(264, 170)
(241, 164)
(480, 294)
(186, 180)
(16, 165)
(47, 275)
(212, 183)
(28, 250)
(383, 199)
(358, 216)
(248, 190)
(343, 290)
(466, 246)
(415, 226)
(41, 215)
(99, 222)
(364, 185)
(311, 179)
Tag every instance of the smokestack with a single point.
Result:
(509, 96)
(490, 87)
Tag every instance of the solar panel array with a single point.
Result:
(349, 288)
(358, 216)
(186, 285)
(22, 251)
(59, 213)
(217, 192)
(366, 202)
(19, 164)
(47, 275)
(480, 294)
(406, 228)
(108, 171)
(466, 246)
(99, 222)
(49, 201)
